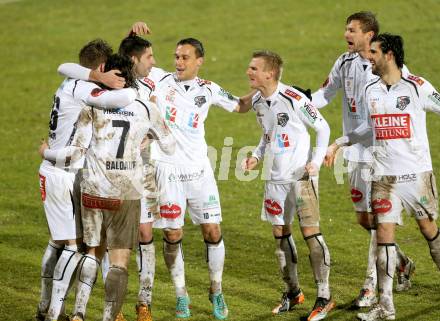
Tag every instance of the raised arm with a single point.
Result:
(76, 71)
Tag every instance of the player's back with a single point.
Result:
(114, 164)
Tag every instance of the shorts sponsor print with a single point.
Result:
(360, 186)
(282, 201)
(416, 193)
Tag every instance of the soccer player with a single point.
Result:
(185, 179)
(403, 177)
(58, 181)
(284, 114)
(350, 73)
(112, 185)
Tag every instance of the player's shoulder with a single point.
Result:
(346, 59)
(413, 79)
(290, 93)
(205, 83)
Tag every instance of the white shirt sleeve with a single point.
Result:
(259, 151)
(75, 71)
(223, 98)
(430, 97)
(329, 88)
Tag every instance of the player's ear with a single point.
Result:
(101, 67)
(200, 61)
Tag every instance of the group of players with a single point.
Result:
(125, 190)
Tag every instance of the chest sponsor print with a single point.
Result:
(170, 114)
(283, 140)
(392, 126)
(351, 104)
(402, 102)
(193, 120)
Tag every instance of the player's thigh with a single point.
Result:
(305, 201)
(204, 200)
(273, 208)
(386, 200)
(360, 186)
(62, 212)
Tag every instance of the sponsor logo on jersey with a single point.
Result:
(325, 83)
(171, 211)
(435, 97)
(416, 79)
(92, 201)
(199, 101)
(170, 114)
(97, 92)
(282, 118)
(43, 187)
(310, 112)
(381, 206)
(356, 196)
(272, 207)
(193, 120)
(170, 96)
(118, 111)
(292, 94)
(225, 94)
(120, 165)
(392, 126)
(283, 140)
(351, 104)
(149, 83)
(402, 102)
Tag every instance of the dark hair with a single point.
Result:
(393, 43)
(272, 61)
(94, 53)
(133, 46)
(125, 65)
(198, 46)
(367, 19)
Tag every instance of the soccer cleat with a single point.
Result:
(404, 274)
(78, 317)
(143, 312)
(63, 317)
(219, 307)
(182, 307)
(366, 298)
(321, 308)
(120, 317)
(288, 301)
(40, 316)
(376, 313)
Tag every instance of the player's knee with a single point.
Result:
(281, 230)
(310, 230)
(211, 233)
(428, 228)
(173, 235)
(366, 220)
(145, 233)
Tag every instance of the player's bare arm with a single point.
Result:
(245, 102)
(139, 28)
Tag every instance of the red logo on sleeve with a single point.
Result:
(292, 94)
(97, 92)
(149, 83)
(381, 206)
(356, 196)
(272, 207)
(392, 126)
(43, 187)
(416, 79)
(171, 211)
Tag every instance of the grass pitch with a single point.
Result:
(38, 35)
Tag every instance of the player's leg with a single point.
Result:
(50, 258)
(306, 201)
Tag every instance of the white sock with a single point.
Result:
(386, 265)
(401, 260)
(287, 260)
(62, 275)
(371, 277)
(320, 261)
(146, 262)
(215, 257)
(48, 263)
(105, 266)
(87, 274)
(173, 255)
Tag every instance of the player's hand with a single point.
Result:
(330, 156)
(312, 169)
(138, 29)
(110, 78)
(43, 147)
(249, 163)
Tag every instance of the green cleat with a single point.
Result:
(219, 307)
(182, 307)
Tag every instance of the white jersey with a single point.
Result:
(113, 160)
(69, 99)
(147, 85)
(284, 118)
(398, 118)
(184, 106)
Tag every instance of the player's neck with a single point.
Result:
(364, 52)
(269, 89)
(392, 76)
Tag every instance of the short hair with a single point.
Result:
(198, 46)
(125, 65)
(393, 43)
(272, 61)
(133, 46)
(367, 19)
(94, 53)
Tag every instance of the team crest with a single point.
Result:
(402, 102)
(283, 118)
(199, 100)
